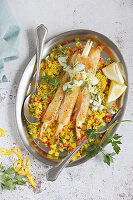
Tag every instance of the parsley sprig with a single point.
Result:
(108, 157)
(93, 149)
(115, 141)
(9, 178)
(53, 81)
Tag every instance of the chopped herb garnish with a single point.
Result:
(58, 144)
(97, 87)
(84, 84)
(75, 109)
(68, 91)
(44, 60)
(82, 70)
(59, 51)
(44, 79)
(88, 131)
(111, 61)
(72, 82)
(100, 124)
(66, 149)
(78, 43)
(51, 81)
(103, 103)
(98, 70)
(85, 123)
(54, 81)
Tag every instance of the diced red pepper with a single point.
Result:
(42, 69)
(64, 43)
(47, 144)
(83, 137)
(92, 116)
(33, 100)
(39, 100)
(39, 116)
(101, 67)
(98, 46)
(68, 48)
(89, 117)
(114, 105)
(107, 118)
(94, 126)
(84, 127)
(97, 121)
(49, 100)
(78, 49)
(100, 134)
(100, 60)
(78, 127)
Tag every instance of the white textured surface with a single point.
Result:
(93, 180)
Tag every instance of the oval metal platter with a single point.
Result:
(39, 151)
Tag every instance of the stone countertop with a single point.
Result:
(92, 180)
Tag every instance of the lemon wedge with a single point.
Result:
(113, 73)
(115, 91)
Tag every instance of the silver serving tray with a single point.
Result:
(37, 150)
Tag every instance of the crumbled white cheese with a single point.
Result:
(92, 90)
(101, 107)
(95, 108)
(94, 81)
(79, 68)
(66, 85)
(71, 73)
(111, 111)
(69, 70)
(84, 76)
(62, 60)
(78, 83)
(91, 101)
(95, 103)
(95, 99)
